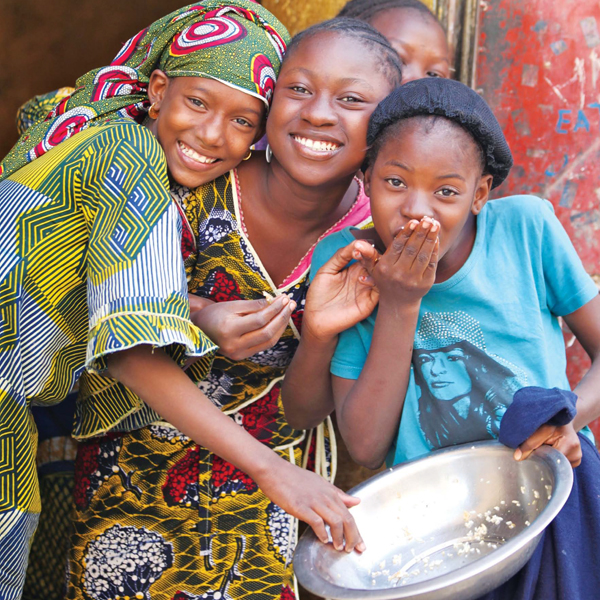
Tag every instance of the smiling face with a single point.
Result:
(204, 126)
(419, 40)
(428, 166)
(326, 91)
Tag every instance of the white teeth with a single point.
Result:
(317, 145)
(195, 156)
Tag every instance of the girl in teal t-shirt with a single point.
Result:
(453, 305)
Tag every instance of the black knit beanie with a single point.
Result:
(454, 101)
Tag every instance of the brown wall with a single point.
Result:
(47, 44)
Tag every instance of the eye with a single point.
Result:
(197, 102)
(351, 99)
(395, 182)
(244, 122)
(433, 74)
(299, 89)
(447, 192)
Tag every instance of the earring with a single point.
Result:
(268, 153)
(249, 155)
(153, 111)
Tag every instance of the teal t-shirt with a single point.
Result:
(489, 330)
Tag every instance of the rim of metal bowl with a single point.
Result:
(316, 584)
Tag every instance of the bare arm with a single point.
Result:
(338, 298)
(164, 386)
(369, 409)
(585, 324)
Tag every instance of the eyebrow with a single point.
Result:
(395, 163)
(246, 109)
(344, 81)
(451, 176)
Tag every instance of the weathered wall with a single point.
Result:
(539, 68)
(46, 45)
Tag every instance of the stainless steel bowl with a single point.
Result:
(453, 525)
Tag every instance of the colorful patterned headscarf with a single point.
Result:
(236, 42)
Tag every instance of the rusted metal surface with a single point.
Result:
(538, 66)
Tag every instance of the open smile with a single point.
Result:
(194, 156)
(315, 148)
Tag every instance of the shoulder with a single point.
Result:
(521, 207)
(519, 215)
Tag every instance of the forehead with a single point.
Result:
(431, 140)
(409, 27)
(335, 51)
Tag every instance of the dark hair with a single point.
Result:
(365, 10)
(368, 35)
(492, 383)
(445, 98)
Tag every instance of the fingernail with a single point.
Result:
(434, 228)
(361, 547)
(413, 225)
(518, 454)
(356, 254)
(285, 299)
(426, 224)
(292, 306)
(338, 547)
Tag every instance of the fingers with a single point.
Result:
(400, 241)
(268, 335)
(367, 256)
(537, 439)
(342, 526)
(343, 256)
(418, 249)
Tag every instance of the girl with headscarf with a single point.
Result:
(90, 264)
(254, 231)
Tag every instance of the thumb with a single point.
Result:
(348, 500)
(341, 258)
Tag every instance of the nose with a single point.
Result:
(438, 367)
(415, 205)
(319, 110)
(210, 131)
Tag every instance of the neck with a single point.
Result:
(289, 200)
(457, 256)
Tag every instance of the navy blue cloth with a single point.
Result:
(533, 407)
(566, 563)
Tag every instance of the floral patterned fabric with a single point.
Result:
(215, 534)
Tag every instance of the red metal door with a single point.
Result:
(538, 65)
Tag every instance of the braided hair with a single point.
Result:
(365, 10)
(362, 31)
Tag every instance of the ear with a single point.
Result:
(157, 87)
(367, 181)
(482, 193)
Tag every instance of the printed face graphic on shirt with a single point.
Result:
(445, 373)
(464, 390)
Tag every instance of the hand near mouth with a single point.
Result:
(406, 271)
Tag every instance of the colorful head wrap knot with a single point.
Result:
(235, 42)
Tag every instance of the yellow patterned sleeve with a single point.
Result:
(137, 288)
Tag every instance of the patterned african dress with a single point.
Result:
(158, 516)
(90, 264)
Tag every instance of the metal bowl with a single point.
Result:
(453, 525)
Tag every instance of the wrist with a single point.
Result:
(265, 466)
(397, 307)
